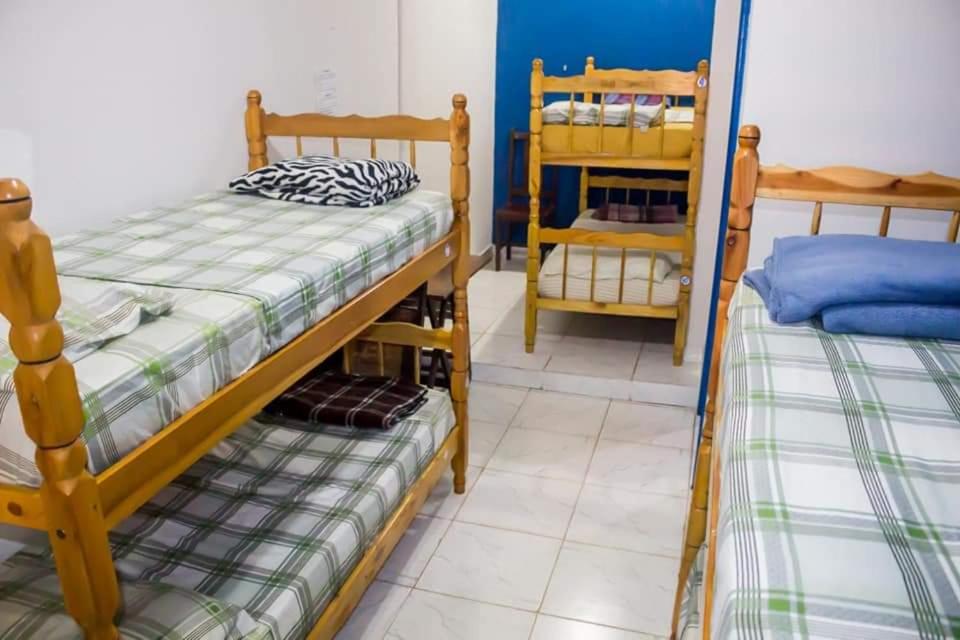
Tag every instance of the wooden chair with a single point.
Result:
(517, 208)
(439, 307)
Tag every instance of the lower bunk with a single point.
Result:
(272, 535)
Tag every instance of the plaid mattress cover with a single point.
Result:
(247, 275)
(839, 513)
(273, 520)
(31, 606)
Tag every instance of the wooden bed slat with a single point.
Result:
(885, 222)
(815, 222)
(593, 273)
(313, 125)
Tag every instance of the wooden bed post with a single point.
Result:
(693, 205)
(746, 165)
(585, 171)
(460, 194)
(256, 140)
(53, 417)
(533, 230)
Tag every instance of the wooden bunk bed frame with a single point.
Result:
(77, 509)
(831, 185)
(689, 84)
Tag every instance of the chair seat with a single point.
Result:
(520, 212)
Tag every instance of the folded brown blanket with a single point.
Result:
(366, 402)
(654, 213)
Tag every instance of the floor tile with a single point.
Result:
(525, 503)
(618, 588)
(375, 612)
(414, 550)
(508, 351)
(640, 467)
(659, 424)
(481, 318)
(493, 403)
(491, 565)
(484, 438)
(542, 453)
(513, 321)
(656, 365)
(550, 628)
(442, 501)
(432, 616)
(562, 413)
(595, 357)
(637, 521)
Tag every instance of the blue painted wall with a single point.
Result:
(649, 34)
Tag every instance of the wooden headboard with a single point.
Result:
(261, 125)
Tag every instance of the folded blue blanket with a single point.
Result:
(894, 319)
(806, 274)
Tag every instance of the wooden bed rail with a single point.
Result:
(261, 125)
(53, 417)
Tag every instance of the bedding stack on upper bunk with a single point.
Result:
(825, 494)
(140, 416)
(621, 265)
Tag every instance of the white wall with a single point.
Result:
(110, 107)
(722, 61)
(450, 46)
(848, 82)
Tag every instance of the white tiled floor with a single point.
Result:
(605, 356)
(570, 528)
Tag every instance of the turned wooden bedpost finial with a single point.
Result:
(256, 140)
(52, 414)
(460, 194)
(533, 228)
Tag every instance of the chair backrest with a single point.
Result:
(519, 190)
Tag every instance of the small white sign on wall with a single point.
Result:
(325, 84)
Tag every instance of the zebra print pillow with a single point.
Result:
(326, 180)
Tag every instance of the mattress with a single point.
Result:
(840, 464)
(672, 140)
(31, 606)
(247, 276)
(636, 290)
(273, 520)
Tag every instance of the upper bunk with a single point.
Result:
(619, 118)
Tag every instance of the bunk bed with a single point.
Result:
(612, 268)
(125, 453)
(828, 464)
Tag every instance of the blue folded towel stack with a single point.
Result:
(864, 284)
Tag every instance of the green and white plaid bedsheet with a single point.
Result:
(136, 384)
(278, 515)
(840, 501)
(300, 262)
(247, 275)
(31, 606)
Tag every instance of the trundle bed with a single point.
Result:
(172, 508)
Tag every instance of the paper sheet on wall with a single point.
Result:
(325, 83)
